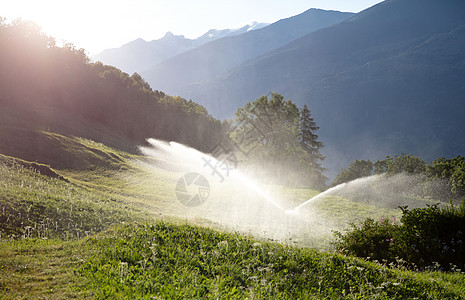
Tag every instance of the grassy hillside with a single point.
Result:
(51, 88)
(35, 205)
(172, 261)
(94, 174)
(60, 237)
(167, 261)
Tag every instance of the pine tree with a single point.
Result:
(309, 140)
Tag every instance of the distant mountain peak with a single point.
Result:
(170, 35)
(139, 41)
(140, 55)
(256, 25)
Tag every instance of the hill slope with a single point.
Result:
(45, 87)
(388, 80)
(214, 58)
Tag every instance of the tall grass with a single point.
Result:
(33, 205)
(166, 261)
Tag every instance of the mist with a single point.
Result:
(204, 190)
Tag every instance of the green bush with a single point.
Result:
(371, 239)
(426, 237)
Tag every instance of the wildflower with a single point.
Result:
(223, 243)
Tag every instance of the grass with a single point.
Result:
(166, 261)
(36, 268)
(60, 236)
(34, 205)
(344, 211)
(175, 261)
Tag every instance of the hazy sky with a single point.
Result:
(99, 24)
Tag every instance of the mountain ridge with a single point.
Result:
(378, 80)
(138, 54)
(217, 57)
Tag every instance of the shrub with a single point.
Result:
(370, 239)
(426, 237)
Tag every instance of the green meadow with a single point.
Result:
(112, 228)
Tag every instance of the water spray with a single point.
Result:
(240, 203)
(292, 212)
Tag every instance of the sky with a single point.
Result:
(96, 25)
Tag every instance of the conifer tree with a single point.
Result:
(309, 139)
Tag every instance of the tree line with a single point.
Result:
(34, 71)
(449, 170)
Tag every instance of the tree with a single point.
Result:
(274, 134)
(450, 169)
(140, 82)
(380, 166)
(405, 163)
(309, 139)
(356, 169)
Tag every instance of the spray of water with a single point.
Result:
(354, 183)
(241, 203)
(192, 160)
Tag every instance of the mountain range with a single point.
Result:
(387, 80)
(212, 59)
(139, 55)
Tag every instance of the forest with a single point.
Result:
(35, 71)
